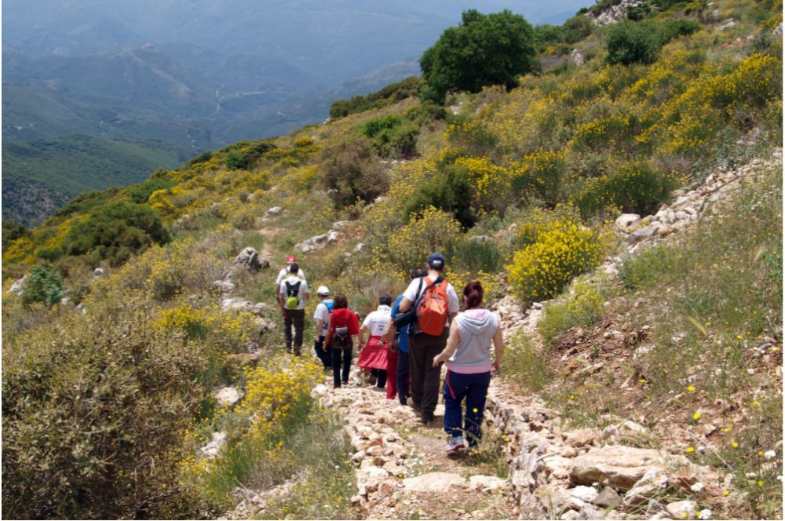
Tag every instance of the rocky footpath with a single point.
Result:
(402, 468)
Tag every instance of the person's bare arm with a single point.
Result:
(451, 347)
(498, 349)
(405, 305)
(319, 325)
(361, 336)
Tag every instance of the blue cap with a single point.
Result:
(436, 261)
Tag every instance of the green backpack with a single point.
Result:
(292, 295)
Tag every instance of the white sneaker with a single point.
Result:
(455, 444)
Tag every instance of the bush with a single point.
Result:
(387, 96)
(478, 254)
(449, 190)
(541, 175)
(484, 50)
(115, 232)
(12, 230)
(577, 28)
(141, 192)
(392, 136)
(541, 270)
(432, 230)
(45, 285)
(242, 156)
(94, 413)
(631, 42)
(352, 172)
(523, 364)
(583, 306)
(633, 188)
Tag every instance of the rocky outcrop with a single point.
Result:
(614, 13)
(250, 260)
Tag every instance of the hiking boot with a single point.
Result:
(455, 444)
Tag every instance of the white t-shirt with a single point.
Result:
(285, 272)
(302, 292)
(323, 314)
(378, 322)
(453, 306)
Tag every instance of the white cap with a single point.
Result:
(323, 290)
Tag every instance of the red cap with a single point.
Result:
(291, 259)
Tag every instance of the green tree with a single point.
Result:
(43, 285)
(630, 42)
(484, 50)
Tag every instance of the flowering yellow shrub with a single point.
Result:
(541, 270)
(433, 230)
(273, 396)
(540, 173)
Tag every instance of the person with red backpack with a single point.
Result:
(435, 303)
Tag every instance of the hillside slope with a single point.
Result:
(520, 189)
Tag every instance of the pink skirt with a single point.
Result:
(374, 354)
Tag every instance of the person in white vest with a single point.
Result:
(292, 296)
(285, 272)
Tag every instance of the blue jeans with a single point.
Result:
(474, 389)
(402, 377)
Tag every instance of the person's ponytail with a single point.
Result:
(472, 294)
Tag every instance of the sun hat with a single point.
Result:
(290, 259)
(323, 290)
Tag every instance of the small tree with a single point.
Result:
(352, 171)
(484, 50)
(630, 42)
(43, 285)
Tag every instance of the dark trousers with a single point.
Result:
(341, 356)
(322, 353)
(474, 389)
(425, 377)
(402, 376)
(381, 377)
(294, 319)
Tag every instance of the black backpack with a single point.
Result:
(292, 295)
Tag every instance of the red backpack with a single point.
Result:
(433, 309)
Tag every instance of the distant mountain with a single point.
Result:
(177, 77)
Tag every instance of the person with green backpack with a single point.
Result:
(292, 296)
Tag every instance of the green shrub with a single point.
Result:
(478, 254)
(634, 187)
(525, 365)
(502, 47)
(449, 190)
(631, 42)
(541, 270)
(45, 285)
(577, 28)
(583, 306)
(387, 96)
(12, 230)
(141, 192)
(649, 268)
(242, 156)
(352, 172)
(94, 412)
(392, 136)
(115, 232)
(432, 230)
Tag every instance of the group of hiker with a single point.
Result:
(405, 341)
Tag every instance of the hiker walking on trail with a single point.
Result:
(322, 318)
(342, 332)
(435, 302)
(469, 366)
(374, 354)
(285, 272)
(402, 330)
(292, 295)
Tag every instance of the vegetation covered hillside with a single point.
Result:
(123, 328)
